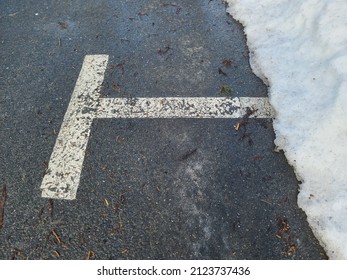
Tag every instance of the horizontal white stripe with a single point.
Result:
(184, 107)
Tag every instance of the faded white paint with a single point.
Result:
(184, 107)
(63, 175)
(65, 165)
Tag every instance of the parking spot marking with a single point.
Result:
(65, 166)
(184, 107)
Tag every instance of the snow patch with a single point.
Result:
(299, 49)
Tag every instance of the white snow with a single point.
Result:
(299, 49)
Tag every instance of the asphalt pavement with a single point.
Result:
(150, 188)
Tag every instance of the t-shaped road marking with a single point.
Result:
(64, 169)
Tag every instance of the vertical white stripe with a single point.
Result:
(65, 165)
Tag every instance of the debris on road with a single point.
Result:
(90, 255)
(63, 25)
(56, 253)
(56, 236)
(2, 206)
(225, 89)
(163, 51)
(188, 154)
(106, 203)
(243, 123)
(227, 63)
(220, 71)
(17, 254)
(284, 232)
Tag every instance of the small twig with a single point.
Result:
(188, 154)
(164, 51)
(90, 255)
(220, 71)
(243, 123)
(237, 126)
(106, 203)
(2, 206)
(122, 198)
(56, 253)
(56, 236)
(267, 202)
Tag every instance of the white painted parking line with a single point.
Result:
(184, 107)
(65, 166)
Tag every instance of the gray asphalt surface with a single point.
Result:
(150, 189)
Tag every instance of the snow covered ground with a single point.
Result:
(299, 49)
